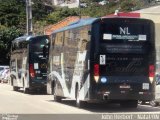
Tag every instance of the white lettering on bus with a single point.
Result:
(124, 31)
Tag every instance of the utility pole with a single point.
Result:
(29, 26)
(79, 5)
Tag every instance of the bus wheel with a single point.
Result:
(12, 81)
(79, 103)
(56, 98)
(153, 103)
(25, 90)
(129, 104)
(15, 88)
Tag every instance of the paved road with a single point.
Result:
(20, 106)
(20, 103)
(154, 9)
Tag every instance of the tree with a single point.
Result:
(13, 16)
(40, 9)
(12, 13)
(7, 34)
(60, 14)
(13, 21)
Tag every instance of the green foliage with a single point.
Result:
(127, 5)
(13, 21)
(40, 10)
(39, 27)
(7, 34)
(12, 12)
(13, 16)
(96, 10)
(60, 14)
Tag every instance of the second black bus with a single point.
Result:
(28, 63)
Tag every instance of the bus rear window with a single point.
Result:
(124, 31)
(38, 43)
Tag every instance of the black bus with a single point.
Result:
(103, 59)
(28, 63)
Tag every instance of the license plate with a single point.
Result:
(125, 86)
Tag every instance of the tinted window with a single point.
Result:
(38, 43)
(124, 35)
(38, 48)
(123, 30)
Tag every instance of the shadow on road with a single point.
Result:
(110, 108)
(35, 92)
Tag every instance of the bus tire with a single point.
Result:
(129, 104)
(15, 88)
(79, 103)
(53, 87)
(25, 90)
(12, 81)
(56, 98)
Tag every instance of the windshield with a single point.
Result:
(124, 44)
(125, 36)
(39, 48)
(127, 31)
(38, 43)
(38, 56)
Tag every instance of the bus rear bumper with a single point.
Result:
(38, 86)
(123, 95)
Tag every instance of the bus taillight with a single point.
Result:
(151, 70)
(96, 72)
(31, 70)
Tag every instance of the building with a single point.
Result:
(49, 29)
(68, 3)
